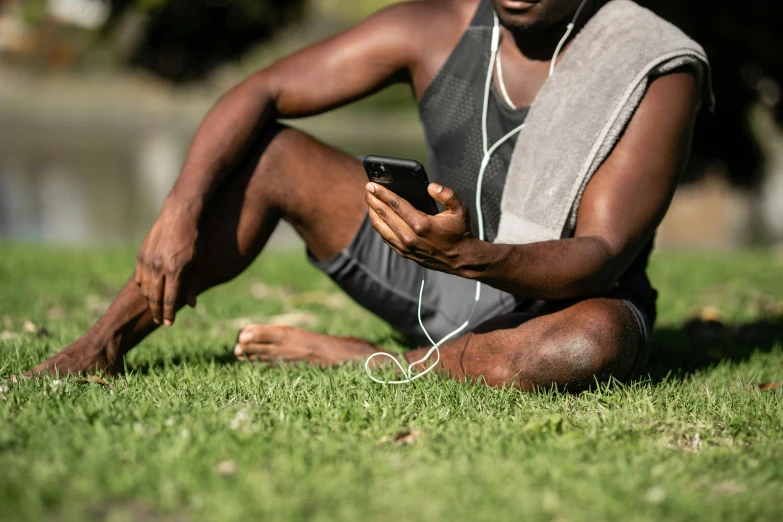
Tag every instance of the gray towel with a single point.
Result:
(581, 112)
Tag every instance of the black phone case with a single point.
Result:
(406, 178)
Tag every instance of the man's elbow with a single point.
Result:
(601, 278)
(592, 284)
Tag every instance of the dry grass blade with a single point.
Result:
(407, 437)
(95, 379)
(29, 327)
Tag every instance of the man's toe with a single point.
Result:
(258, 333)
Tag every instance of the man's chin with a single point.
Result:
(528, 20)
(522, 25)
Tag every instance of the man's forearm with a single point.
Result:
(550, 270)
(221, 141)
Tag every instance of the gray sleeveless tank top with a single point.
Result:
(450, 112)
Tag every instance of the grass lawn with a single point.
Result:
(189, 434)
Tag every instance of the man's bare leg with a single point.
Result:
(290, 175)
(274, 344)
(591, 340)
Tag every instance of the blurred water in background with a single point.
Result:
(97, 174)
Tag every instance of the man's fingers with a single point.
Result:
(446, 197)
(383, 229)
(386, 234)
(155, 298)
(397, 250)
(146, 281)
(170, 299)
(394, 221)
(399, 205)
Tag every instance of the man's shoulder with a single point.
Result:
(424, 30)
(435, 15)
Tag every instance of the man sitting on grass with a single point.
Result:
(565, 312)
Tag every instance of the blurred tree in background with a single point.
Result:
(178, 40)
(183, 40)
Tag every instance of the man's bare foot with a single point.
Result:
(274, 344)
(77, 358)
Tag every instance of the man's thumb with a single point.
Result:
(445, 196)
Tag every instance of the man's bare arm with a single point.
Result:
(321, 77)
(621, 207)
(379, 51)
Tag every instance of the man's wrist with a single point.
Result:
(477, 257)
(185, 206)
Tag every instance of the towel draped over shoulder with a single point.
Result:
(581, 112)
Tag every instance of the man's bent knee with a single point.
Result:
(575, 361)
(575, 356)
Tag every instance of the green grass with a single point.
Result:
(695, 441)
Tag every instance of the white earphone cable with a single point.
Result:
(488, 151)
(564, 39)
(502, 83)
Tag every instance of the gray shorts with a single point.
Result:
(388, 285)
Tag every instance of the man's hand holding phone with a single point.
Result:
(440, 242)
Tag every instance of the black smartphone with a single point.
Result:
(406, 178)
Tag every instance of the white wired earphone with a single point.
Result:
(488, 151)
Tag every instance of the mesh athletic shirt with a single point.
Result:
(450, 112)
